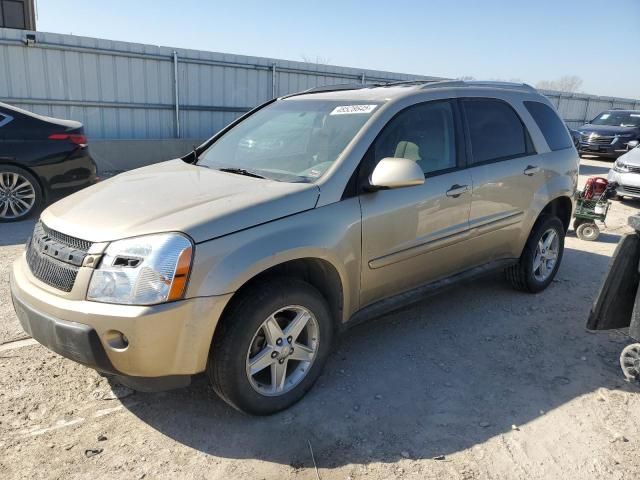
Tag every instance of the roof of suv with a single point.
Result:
(396, 89)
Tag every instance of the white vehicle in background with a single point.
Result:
(626, 172)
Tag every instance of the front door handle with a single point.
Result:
(456, 190)
(531, 170)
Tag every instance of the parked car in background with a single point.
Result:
(245, 258)
(575, 135)
(42, 159)
(608, 135)
(626, 172)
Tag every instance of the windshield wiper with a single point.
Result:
(241, 171)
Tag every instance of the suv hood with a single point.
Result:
(176, 196)
(606, 129)
(632, 157)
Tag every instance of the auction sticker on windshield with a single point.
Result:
(350, 109)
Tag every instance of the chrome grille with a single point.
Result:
(55, 258)
(66, 239)
(599, 140)
(630, 189)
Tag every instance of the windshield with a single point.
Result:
(618, 119)
(290, 140)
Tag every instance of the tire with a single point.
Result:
(242, 338)
(588, 231)
(20, 194)
(630, 362)
(522, 275)
(577, 222)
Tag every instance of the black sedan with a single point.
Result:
(41, 160)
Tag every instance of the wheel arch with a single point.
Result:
(12, 163)
(561, 207)
(318, 272)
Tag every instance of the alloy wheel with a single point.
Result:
(630, 361)
(17, 195)
(282, 351)
(546, 256)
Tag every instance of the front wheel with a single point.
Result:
(271, 346)
(541, 256)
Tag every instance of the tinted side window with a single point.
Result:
(554, 131)
(424, 133)
(495, 130)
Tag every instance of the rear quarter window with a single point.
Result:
(552, 128)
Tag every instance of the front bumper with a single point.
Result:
(166, 340)
(628, 183)
(608, 150)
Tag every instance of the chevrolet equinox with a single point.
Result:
(245, 258)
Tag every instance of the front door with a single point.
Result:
(414, 235)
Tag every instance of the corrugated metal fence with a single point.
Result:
(127, 90)
(123, 90)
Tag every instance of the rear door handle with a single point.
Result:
(457, 190)
(531, 170)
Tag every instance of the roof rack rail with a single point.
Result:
(359, 86)
(478, 83)
(407, 82)
(331, 88)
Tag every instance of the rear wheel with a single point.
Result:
(271, 346)
(20, 193)
(541, 256)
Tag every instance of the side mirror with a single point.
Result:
(395, 172)
(632, 144)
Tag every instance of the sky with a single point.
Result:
(527, 40)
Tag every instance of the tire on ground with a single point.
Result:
(226, 367)
(521, 275)
(588, 231)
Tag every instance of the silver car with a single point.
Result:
(246, 258)
(626, 173)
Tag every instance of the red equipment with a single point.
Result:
(595, 186)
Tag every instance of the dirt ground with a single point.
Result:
(477, 382)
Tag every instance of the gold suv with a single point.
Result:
(246, 257)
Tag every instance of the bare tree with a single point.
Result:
(566, 83)
(318, 60)
(466, 78)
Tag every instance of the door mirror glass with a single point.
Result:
(392, 172)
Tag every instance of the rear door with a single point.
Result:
(413, 235)
(506, 174)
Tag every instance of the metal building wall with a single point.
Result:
(575, 108)
(122, 90)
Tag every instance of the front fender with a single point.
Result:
(331, 233)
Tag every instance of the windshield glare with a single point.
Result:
(618, 119)
(290, 140)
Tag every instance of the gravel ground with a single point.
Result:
(477, 382)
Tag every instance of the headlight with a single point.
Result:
(620, 167)
(143, 270)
